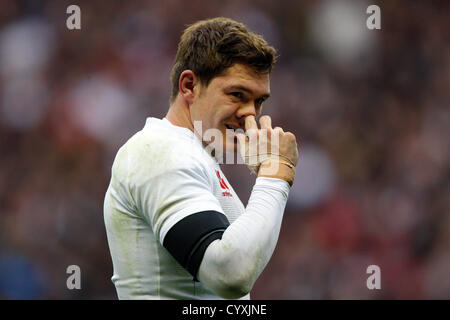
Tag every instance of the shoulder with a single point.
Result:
(153, 152)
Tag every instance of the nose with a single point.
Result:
(246, 110)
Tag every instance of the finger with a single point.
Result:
(275, 140)
(242, 146)
(265, 122)
(278, 129)
(241, 139)
(250, 123)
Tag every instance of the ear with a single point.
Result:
(187, 86)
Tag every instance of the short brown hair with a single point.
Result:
(208, 47)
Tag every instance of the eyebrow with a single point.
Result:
(242, 88)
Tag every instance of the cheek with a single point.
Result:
(228, 110)
(201, 111)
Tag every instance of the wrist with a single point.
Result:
(276, 168)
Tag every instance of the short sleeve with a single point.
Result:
(176, 193)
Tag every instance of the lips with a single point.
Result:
(233, 127)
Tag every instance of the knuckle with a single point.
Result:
(278, 131)
(290, 136)
(266, 132)
(252, 133)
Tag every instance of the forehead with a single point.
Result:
(241, 75)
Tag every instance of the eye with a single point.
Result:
(259, 101)
(237, 94)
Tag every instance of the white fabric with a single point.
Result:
(161, 175)
(248, 243)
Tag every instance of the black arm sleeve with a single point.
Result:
(188, 239)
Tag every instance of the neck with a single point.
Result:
(179, 114)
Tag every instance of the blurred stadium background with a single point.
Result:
(371, 109)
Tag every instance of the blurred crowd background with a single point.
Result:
(370, 108)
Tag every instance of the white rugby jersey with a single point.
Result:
(160, 175)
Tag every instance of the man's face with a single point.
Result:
(228, 100)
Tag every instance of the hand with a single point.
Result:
(269, 152)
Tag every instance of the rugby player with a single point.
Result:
(176, 228)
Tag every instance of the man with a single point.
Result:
(176, 229)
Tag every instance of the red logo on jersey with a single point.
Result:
(223, 185)
(221, 181)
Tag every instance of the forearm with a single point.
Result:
(231, 265)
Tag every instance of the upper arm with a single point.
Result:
(176, 199)
(190, 237)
